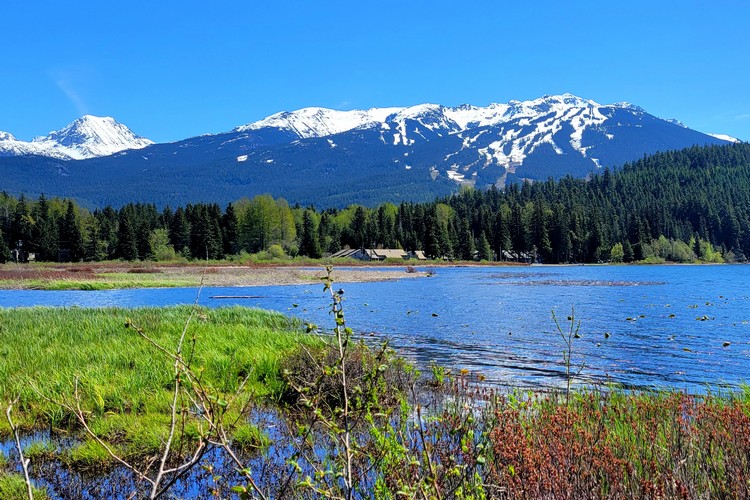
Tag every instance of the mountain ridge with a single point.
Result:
(323, 156)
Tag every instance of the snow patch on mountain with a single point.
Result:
(320, 122)
(524, 125)
(725, 137)
(677, 122)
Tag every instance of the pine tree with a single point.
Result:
(358, 227)
(126, 245)
(484, 248)
(48, 234)
(4, 250)
(71, 237)
(310, 244)
(540, 231)
(179, 232)
(229, 230)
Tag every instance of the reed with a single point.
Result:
(126, 382)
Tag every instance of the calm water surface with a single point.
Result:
(646, 326)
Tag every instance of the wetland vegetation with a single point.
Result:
(311, 413)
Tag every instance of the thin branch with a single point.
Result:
(172, 427)
(175, 396)
(24, 461)
(184, 468)
(433, 475)
(78, 412)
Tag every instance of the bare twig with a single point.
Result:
(430, 466)
(568, 337)
(24, 461)
(81, 417)
(175, 396)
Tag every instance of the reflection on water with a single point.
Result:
(640, 325)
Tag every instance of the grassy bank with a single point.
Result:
(125, 381)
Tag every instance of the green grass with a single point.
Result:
(89, 455)
(38, 450)
(13, 487)
(249, 437)
(108, 281)
(126, 383)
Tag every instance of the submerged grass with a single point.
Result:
(13, 486)
(126, 383)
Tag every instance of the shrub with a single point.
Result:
(276, 252)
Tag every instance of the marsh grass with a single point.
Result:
(13, 486)
(126, 384)
(107, 281)
(618, 444)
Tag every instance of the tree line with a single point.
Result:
(677, 205)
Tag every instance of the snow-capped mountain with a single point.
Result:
(333, 158)
(87, 137)
(561, 129)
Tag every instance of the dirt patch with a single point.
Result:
(263, 276)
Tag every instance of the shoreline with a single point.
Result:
(129, 275)
(152, 275)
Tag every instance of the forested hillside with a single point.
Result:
(686, 205)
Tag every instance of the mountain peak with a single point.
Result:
(629, 106)
(91, 136)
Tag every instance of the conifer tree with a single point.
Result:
(126, 245)
(229, 231)
(310, 244)
(484, 248)
(71, 237)
(4, 250)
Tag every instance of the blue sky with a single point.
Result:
(171, 70)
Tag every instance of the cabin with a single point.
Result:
(379, 254)
(417, 255)
(517, 256)
(351, 253)
(388, 253)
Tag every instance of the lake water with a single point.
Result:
(685, 327)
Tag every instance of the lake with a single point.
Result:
(683, 327)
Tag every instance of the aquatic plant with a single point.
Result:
(568, 336)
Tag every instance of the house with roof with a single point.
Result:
(379, 254)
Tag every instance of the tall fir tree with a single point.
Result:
(309, 244)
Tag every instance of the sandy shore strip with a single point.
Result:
(264, 276)
(127, 275)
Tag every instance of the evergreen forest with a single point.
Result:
(683, 206)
